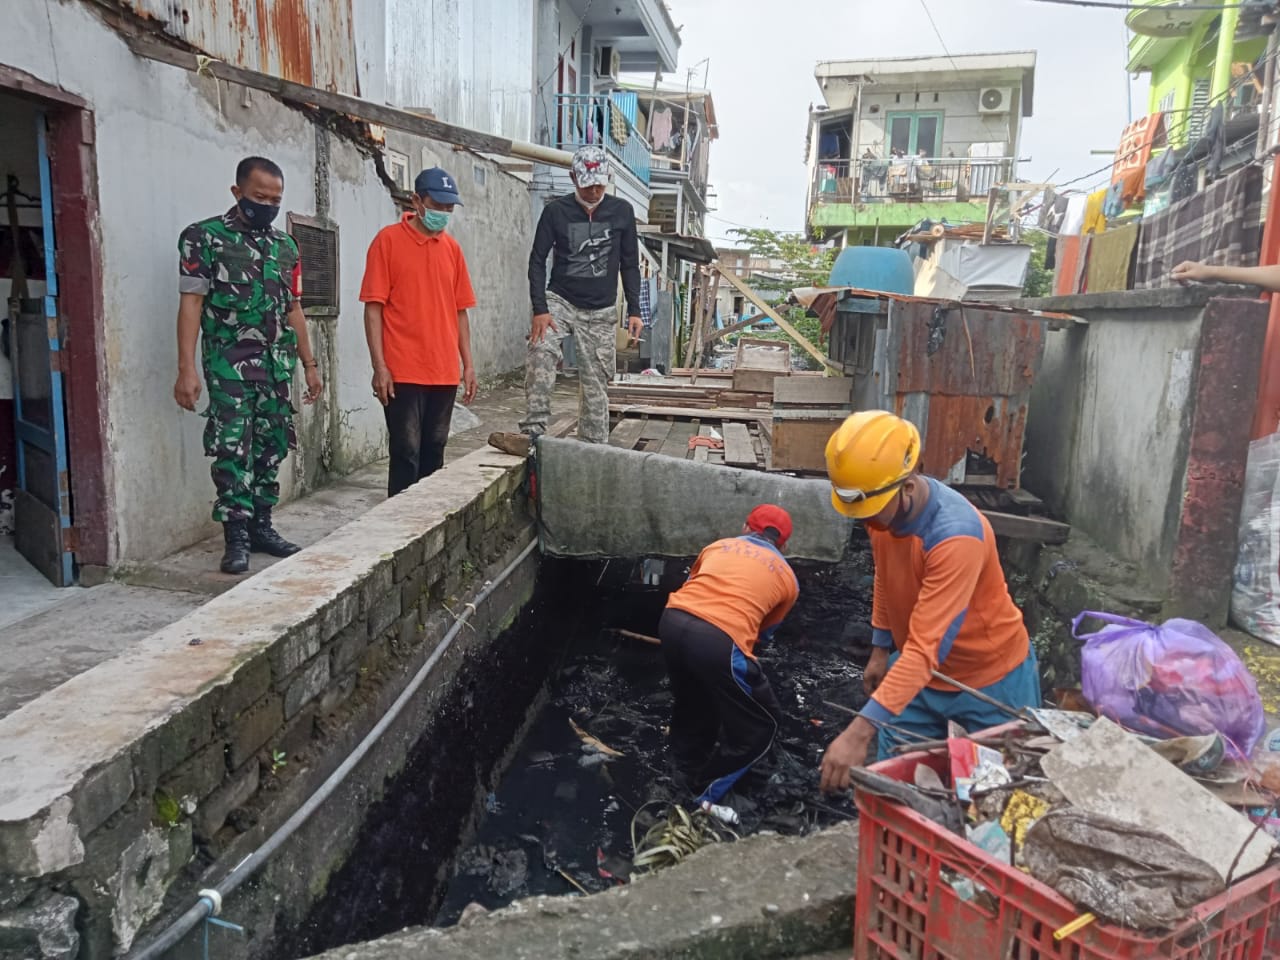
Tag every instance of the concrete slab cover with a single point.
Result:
(1108, 772)
(49, 745)
(600, 501)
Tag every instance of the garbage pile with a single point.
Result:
(1137, 809)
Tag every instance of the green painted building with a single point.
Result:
(1197, 57)
(897, 141)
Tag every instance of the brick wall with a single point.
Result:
(205, 738)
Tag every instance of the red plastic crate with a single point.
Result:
(906, 910)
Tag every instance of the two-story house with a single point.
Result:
(104, 468)
(897, 141)
(1199, 57)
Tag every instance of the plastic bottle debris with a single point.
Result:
(722, 813)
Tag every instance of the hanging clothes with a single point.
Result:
(660, 129)
(1110, 256)
(1094, 219)
(1114, 204)
(1073, 219)
(1066, 281)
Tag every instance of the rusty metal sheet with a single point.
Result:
(823, 300)
(306, 41)
(963, 350)
(989, 428)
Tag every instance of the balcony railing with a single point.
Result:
(601, 118)
(908, 180)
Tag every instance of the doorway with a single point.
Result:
(52, 467)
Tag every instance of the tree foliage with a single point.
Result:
(1039, 280)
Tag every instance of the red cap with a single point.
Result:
(771, 515)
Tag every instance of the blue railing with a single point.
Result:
(607, 120)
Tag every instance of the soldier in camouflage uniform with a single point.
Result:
(240, 282)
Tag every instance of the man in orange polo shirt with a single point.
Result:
(416, 293)
(940, 601)
(738, 591)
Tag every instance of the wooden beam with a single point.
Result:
(715, 335)
(1027, 528)
(772, 314)
(338, 102)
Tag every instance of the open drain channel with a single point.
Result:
(503, 800)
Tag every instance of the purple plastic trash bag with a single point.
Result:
(1172, 680)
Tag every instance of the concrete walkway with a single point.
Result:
(49, 635)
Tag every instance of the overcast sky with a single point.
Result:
(762, 54)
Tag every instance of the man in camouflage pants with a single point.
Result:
(240, 281)
(593, 237)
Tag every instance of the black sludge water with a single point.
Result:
(559, 818)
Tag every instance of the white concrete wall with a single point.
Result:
(468, 61)
(962, 125)
(167, 143)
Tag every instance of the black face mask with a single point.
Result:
(257, 215)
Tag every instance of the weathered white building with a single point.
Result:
(111, 152)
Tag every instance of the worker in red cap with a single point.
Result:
(737, 594)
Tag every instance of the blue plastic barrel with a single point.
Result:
(886, 269)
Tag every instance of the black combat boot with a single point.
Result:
(263, 537)
(235, 558)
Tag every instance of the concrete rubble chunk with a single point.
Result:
(44, 843)
(43, 931)
(139, 886)
(1109, 772)
(811, 880)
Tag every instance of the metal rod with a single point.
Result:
(978, 694)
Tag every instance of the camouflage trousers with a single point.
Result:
(595, 337)
(249, 433)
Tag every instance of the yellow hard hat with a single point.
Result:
(869, 457)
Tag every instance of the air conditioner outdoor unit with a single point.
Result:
(608, 63)
(994, 100)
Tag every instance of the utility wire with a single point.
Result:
(1179, 8)
(1183, 121)
(938, 34)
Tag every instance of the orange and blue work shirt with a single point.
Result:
(741, 585)
(941, 600)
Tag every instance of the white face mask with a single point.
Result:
(590, 206)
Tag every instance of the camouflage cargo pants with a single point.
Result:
(249, 433)
(597, 346)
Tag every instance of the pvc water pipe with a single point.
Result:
(210, 901)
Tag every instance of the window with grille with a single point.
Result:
(1198, 118)
(318, 247)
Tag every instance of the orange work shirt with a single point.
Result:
(941, 599)
(741, 585)
(422, 284)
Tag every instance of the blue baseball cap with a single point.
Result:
(437, 185)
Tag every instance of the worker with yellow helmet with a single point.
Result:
(940, 599)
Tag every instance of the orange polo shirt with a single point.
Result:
(422, 284)
(941, 599)
(742, 585)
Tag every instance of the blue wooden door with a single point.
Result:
(42, 506)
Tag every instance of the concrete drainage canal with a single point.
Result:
(544, 750)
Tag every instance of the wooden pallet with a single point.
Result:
(746, 439)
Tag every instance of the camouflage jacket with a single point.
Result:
(249, 280)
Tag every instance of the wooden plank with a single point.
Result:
(723, 332)
(563, 427)
(627, 433)
(802, 444)
(1028, 528)
(738, 451)
(690, 413)
(654, 435)
(777, 318)
(700, 453)
(337, 102)
(837, 391)
(677, 442)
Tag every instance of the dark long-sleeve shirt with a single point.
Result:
(590, 249)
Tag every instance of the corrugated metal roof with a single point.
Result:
(306, 41)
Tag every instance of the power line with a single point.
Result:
(938, 34)
(1106, 5)
(1183, 121)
